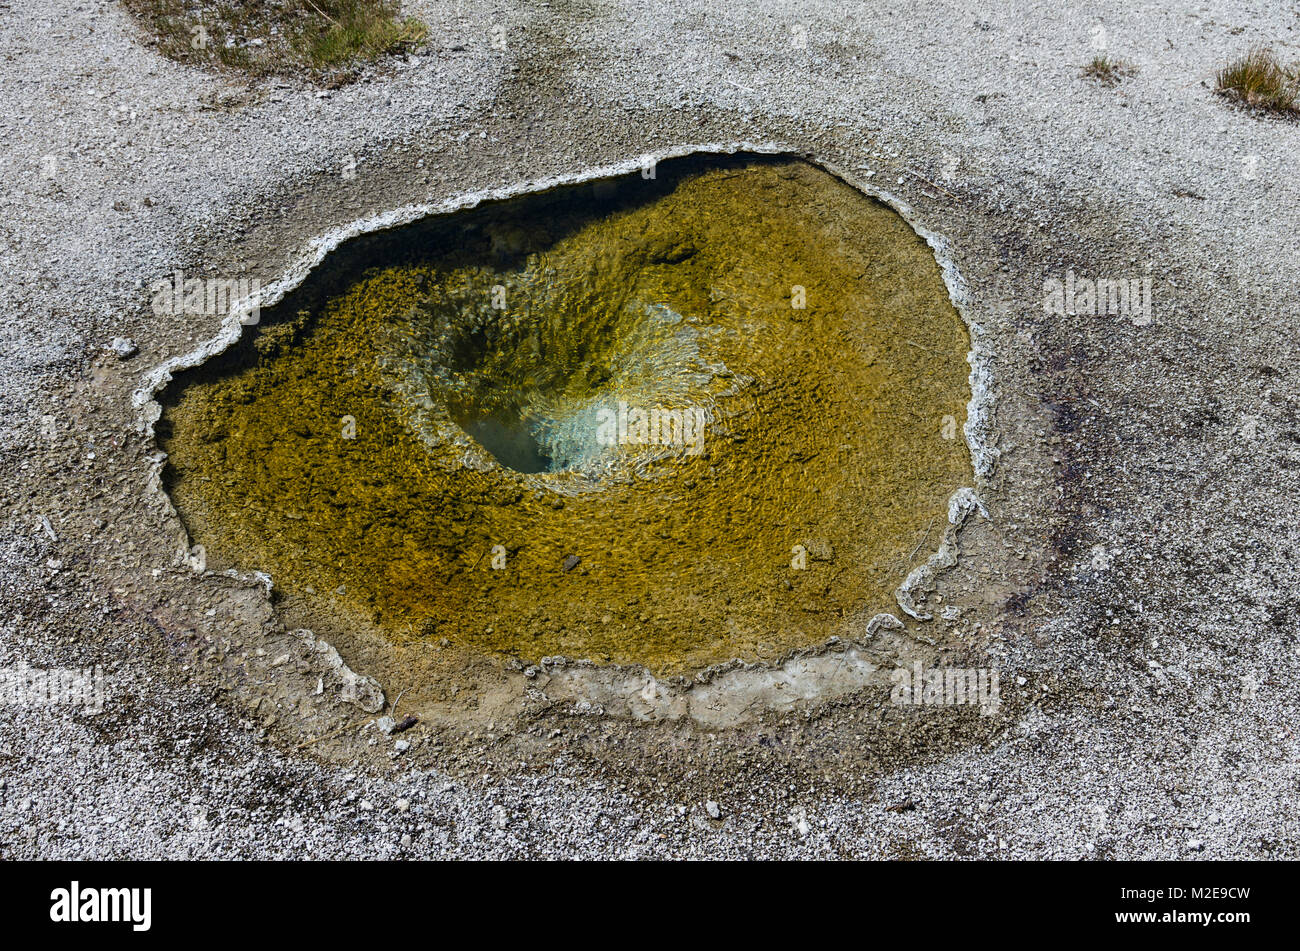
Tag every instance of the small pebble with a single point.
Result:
(124, 347)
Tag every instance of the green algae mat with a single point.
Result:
(672, 421)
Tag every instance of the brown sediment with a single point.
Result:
(330, 448)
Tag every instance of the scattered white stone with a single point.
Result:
(364, 691)
(887, 621)
(124, 347)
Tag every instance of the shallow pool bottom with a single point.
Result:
(670, 422)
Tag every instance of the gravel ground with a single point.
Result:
(1141, 546)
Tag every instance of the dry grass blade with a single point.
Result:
(1258, 80)
(1107, 71)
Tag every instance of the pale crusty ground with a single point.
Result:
(1148, 474)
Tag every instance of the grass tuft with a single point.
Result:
(1107, 71)
(328, 41)
(1259, 81)
(358, 30)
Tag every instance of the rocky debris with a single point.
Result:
(887, 621)
(404, 724)
(961, 506)
(355, 688)
(124, 347)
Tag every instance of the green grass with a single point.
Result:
(358, 30)
(1107, 71)
(327, 41)
(1259, 81)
